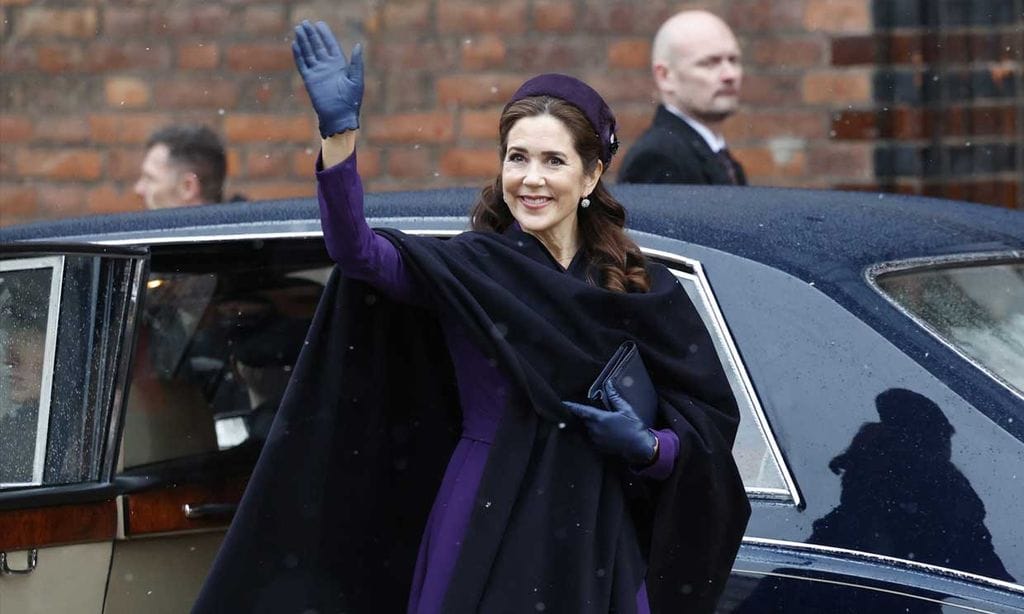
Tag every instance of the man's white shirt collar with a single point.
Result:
(714, 141)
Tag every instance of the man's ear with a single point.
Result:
(189, 186)
(660, 72)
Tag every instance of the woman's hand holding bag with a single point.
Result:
(617, 430)
(334, 84)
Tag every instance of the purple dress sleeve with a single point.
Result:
(668, 450)
(361, 253)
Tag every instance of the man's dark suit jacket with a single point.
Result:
(670, 151)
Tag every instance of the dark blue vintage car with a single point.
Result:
(875, 342)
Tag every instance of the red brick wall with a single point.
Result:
(948, 97)
(84, 83)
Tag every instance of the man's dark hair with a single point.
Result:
(200, 150)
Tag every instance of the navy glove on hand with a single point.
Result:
(334, 84)
(618, 430)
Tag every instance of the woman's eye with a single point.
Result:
(556, 161)
(515, 157)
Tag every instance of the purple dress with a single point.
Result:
(483, 389)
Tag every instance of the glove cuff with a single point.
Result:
(338, 124)
(649, 455)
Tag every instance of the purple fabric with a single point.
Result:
(668, 450)
(483, 390)
(361, 253)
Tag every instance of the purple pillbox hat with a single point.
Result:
(583, 97)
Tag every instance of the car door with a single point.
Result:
(67, 317)
(221, 326)
(906, 495)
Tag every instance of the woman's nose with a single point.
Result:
(533, 176)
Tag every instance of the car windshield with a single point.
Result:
(978, 308)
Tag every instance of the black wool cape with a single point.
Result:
(333, 515)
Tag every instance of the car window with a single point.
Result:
(61, 321)
(755, 450)
(29, 297)
(976, 308)
(219, 333)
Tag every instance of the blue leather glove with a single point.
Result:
(618, 430)
(334, 84)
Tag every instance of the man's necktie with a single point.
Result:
(729, 164)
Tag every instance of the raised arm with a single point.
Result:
(335, 87)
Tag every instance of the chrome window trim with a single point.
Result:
(777, 495)
(791, 494)
(119, 400)
(56, 265)
(775, 574)
(218, 238)
(939, 262)
(247, 234)
(861, 555)
(874, 271)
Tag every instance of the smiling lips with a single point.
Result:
(534, 202)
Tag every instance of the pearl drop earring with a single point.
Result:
(585, 203)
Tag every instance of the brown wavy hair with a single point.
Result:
(617, 259)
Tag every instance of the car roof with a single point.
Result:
(799, 231)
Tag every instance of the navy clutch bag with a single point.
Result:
(627, 372)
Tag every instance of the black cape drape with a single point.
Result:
(333, 515)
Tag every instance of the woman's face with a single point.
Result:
(24, 366)
(543, 178)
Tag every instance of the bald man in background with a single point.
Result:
(696, 64)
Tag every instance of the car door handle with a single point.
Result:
(209, 510)
(33, 558)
